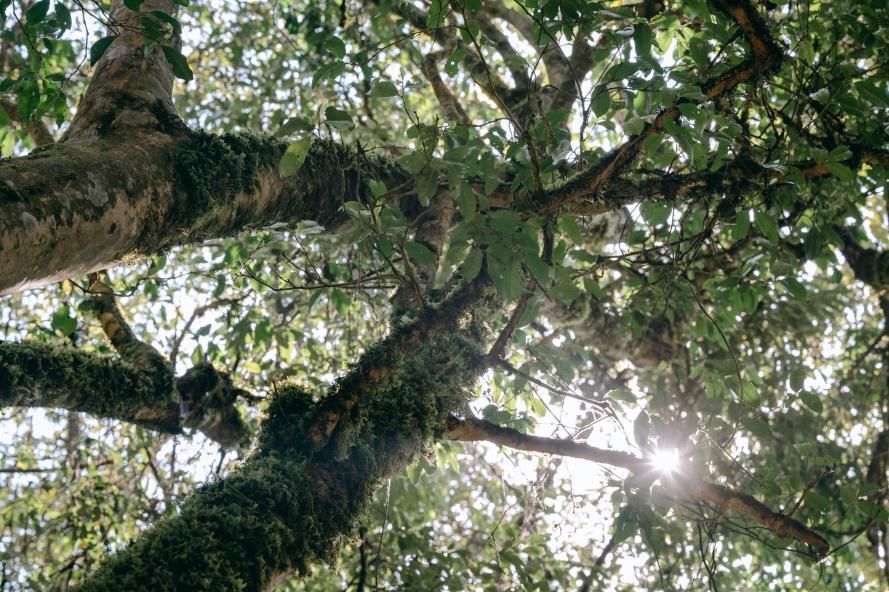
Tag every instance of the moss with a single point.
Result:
(279, 512)
(212, 170)
(290, 505)
(45, 375)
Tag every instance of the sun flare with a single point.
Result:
(666, 460)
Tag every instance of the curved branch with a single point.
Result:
(766, 56)
(475, 429)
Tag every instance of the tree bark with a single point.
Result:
(316, 465)
(40, 375)
(124, 195)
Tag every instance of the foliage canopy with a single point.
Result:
(588, 231)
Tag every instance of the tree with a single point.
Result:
(474, 221)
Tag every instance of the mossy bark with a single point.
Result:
(298, 497)
(140, 192)
(40, 375)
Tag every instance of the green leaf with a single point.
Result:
(99, 47)
(539, 270)
(655, 213)
(252, 367)
(427, 187)
(384, 88)
(872, 93)
(651, 143)
(812, 401)
(756, 426)
(338, 119)
(841, 171)
(134, 5)
(642, 40)
(329, 71)
(378, 188)
(466, 202)
(564, 287)
(294, 157)
(420, 253)
(795, 288)
(641, 429)
(625, 525)
(163, 17)
(472, 265)
(767, 226)
(507, 277)
(37, 12)
(621, 395)
(601, 101)
(437, 12)
(797, 378)
(63, 15)
(568, 225)
(742, 226)
(178, 63)
(294, 124)
(63, 322)
(336, 46)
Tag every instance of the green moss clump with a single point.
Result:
(286, 420)
(45, 375)
(213, 169)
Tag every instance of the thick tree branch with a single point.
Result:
(145, 192)
(316, 465)
(41, 375)
(475, 429)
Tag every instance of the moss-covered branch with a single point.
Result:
(41, 375)
(305, 487)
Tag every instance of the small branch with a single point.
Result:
(451, 107)
(473, 429)
(563, 393)
(198, 312)
(118, 331)
(37, 130)
(499, 348)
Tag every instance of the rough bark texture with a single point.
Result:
(295, 500)
(147, 192)
(39, 375)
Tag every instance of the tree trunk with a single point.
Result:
(316, 465)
